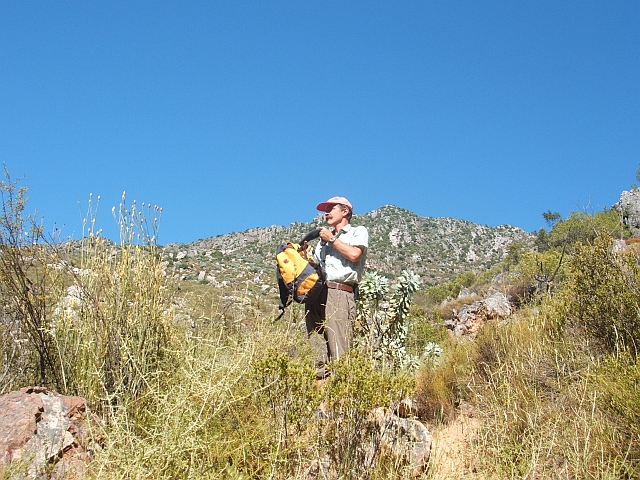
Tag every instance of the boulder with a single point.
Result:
(497, 305)
(465, 292)
(629, 208)
(470, 318)
(619, 246)
(406, 439)
(40, 428)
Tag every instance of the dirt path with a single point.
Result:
(452, 455)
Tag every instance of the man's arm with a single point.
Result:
(349, 252)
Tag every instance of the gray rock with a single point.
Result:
(619, 246)
(629, 208)
(497, 305)
(470, 318)
(465, 292)
(406, 439)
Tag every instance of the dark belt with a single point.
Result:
(340, 286)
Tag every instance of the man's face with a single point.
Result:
(334, 215)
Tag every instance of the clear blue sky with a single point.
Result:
(233, 115)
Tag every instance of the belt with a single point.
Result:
(340, 286)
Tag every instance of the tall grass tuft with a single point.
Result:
(441, 385)
(30, 286)
(115, 334)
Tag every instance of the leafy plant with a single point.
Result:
(581, 227)
(382, 317)
(603, 295)
(451, 288)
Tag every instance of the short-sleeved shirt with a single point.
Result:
(338, 268)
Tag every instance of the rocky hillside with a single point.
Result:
(435, 248)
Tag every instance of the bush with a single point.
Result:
(581, 227)
(350, 437)
(602, 296)
(544, 270)
(244, 406)
(30, 285)
(452, 288)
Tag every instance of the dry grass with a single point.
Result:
(542, 409)
(245, 407)
(440, 387)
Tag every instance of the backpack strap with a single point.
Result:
(310, 236)
(278, 317)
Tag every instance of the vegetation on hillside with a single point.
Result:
(194, 380)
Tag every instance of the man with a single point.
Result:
(341, 252)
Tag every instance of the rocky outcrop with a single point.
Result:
(629, 208)
(407, 440)
(470, 318)
(42, 431)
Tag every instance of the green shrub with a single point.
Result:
(603, 295)
(581, 227)
(542, 269)
(350, 438)
(424, 327)
(442, 291)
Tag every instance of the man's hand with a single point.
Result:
(325, 234)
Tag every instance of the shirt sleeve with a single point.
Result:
(360, 237)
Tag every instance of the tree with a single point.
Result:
(552, 217)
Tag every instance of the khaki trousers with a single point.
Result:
(330, 326)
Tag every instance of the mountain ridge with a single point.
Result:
(434, 248)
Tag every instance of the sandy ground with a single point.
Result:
(452, 454)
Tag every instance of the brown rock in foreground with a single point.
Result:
(40, 428)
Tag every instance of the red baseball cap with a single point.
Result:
(334, 201)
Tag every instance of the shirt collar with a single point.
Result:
(346, 228)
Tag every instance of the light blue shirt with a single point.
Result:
(338, 268)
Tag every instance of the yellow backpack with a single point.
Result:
(300, 279)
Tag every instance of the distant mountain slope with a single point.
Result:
(435, 248)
